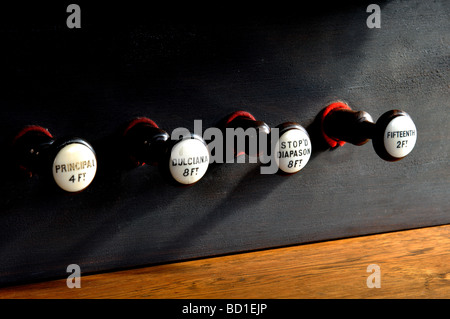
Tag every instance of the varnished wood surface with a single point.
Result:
(413, 264)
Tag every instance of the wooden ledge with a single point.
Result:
(413, 264)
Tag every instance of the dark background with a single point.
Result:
(175, 64)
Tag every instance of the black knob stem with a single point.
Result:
(355, 127)
(246, 121)
(145, 142)
(31, 149)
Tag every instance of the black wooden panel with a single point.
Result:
(177, 65)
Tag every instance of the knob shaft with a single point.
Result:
(186, 160)
(251, 129)
(145, 142)
(71, 161)
(393, 136)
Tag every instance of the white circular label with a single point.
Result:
(293, 151)
(400, 136)
(74, 167)
(189, 160)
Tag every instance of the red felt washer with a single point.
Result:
(138, 121)
(132, 124)
(32, 128)
(239, 114)
(333, 142)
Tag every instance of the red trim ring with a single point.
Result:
(333, 142)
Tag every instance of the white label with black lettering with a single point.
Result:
(400, 136)
(293, 151)
(74, 167)
(189, 161)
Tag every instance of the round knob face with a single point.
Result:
(400, 136)
(293, 150)
(74, 167)
(189, 160)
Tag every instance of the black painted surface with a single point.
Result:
(280, 65)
